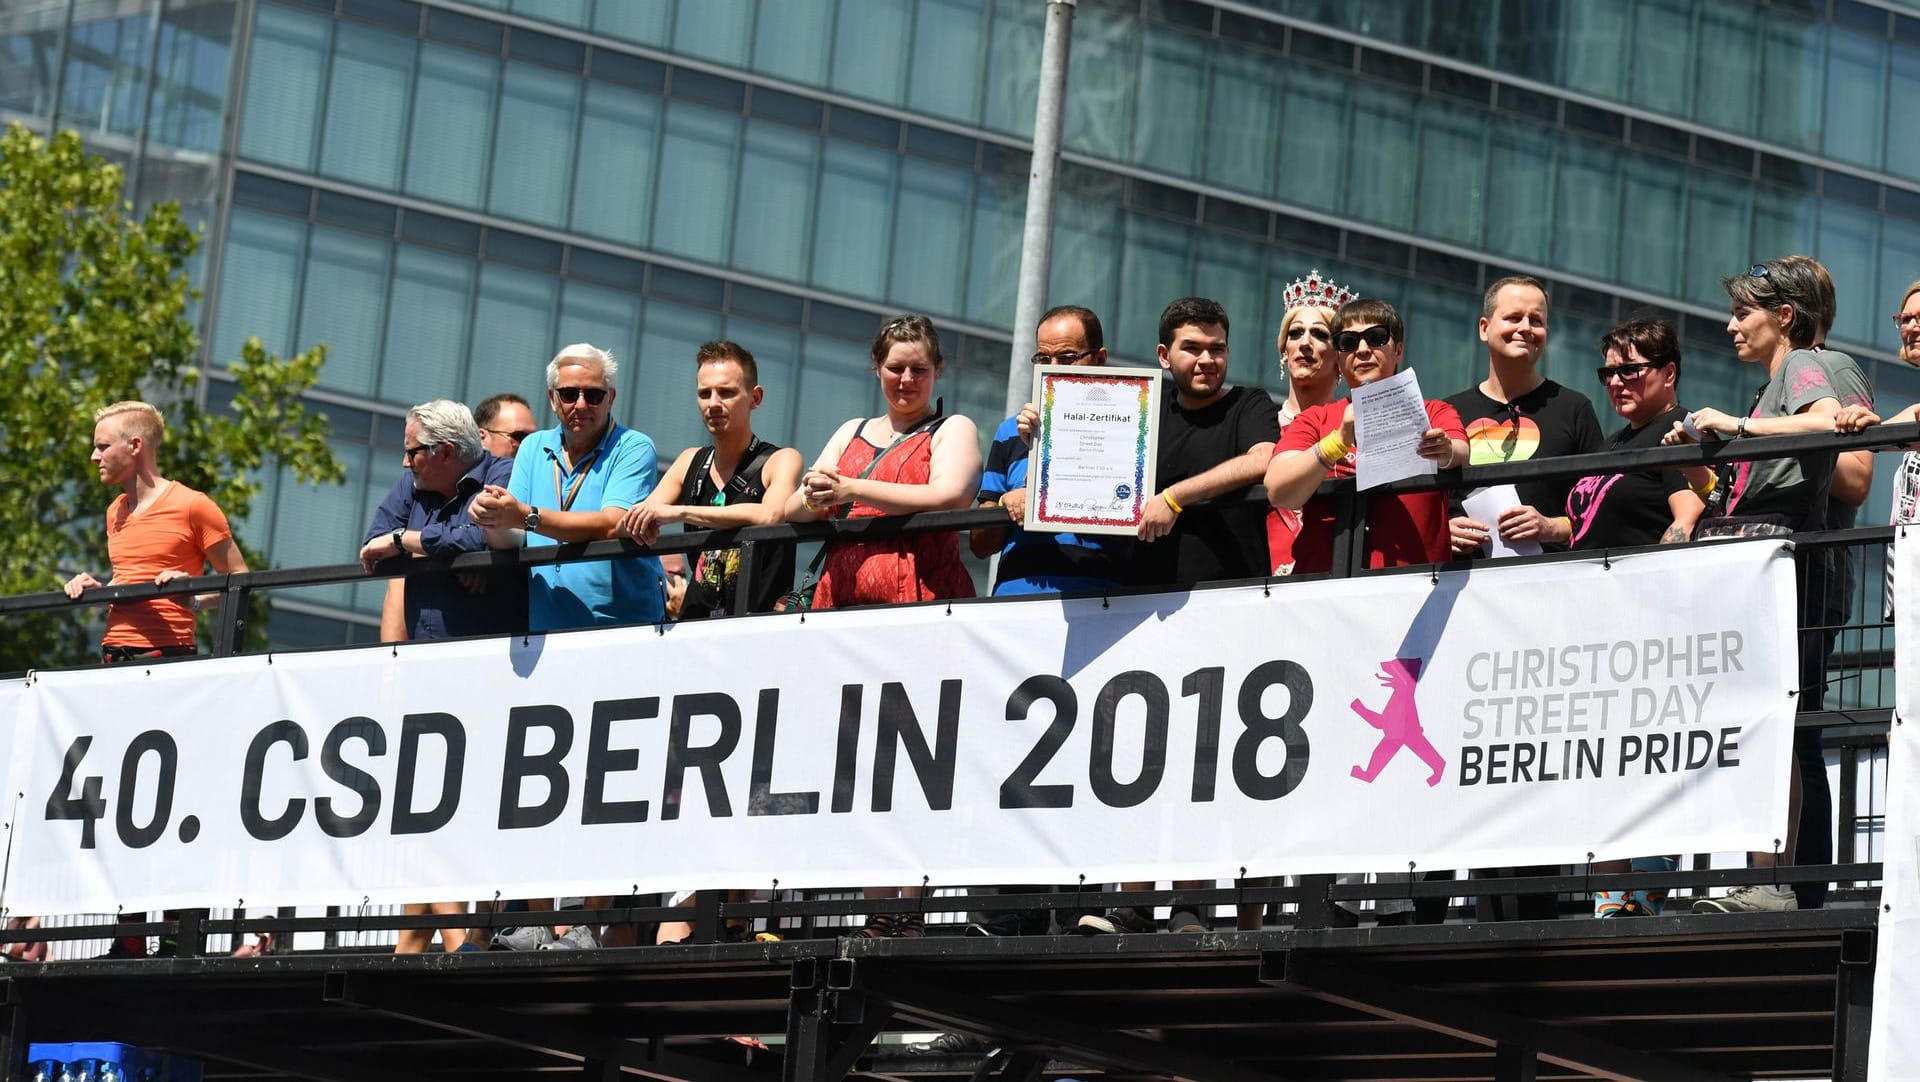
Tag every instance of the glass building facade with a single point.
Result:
(444, 191)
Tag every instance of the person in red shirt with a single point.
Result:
(157, 531)
(1401, 530)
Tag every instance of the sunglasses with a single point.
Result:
(570, 395)
(516, 437)
(422, 449)
(1625, 373)
(1348, 341)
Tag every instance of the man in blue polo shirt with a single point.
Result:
(571, 484)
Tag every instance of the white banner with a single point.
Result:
(1507, 715)
(1894, 1041)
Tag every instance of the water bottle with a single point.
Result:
(43, 1070)
(77, 1070)
(106, 1070)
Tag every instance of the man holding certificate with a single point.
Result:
(1401, 530)
(1214, 441)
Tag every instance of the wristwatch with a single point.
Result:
(397, 536)
(533, 518)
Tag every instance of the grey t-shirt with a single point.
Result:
(1796, 488)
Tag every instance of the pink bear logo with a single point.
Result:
(1398, 722)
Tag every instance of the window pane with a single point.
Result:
(714, 29)
(1312, 169)
(1381, 171)
(645, 23)
(1594, 47)
(1856, 96)
(1100, 83)
(1790, 110)
(850, 239)
(1850, 248)
(669, 340)
(1243, 120)
(289, 53)
(1156, 267)
(1453, 171)
(106, 65)
(1717, 216)
(1651, 227)
(513, 336)
(791, 40)
(564, 12)
(1013, 82)
(1587, 208)
(610, 319)
(776, 198)
(613, 187)
(930, 237)
(836, 382)
(1171, 103)
(1086, 232)
(367, 106)
(318, 525)
(1662, 74)
(344, 305)
(1729, 62)
(27, 61)
(190, 83)
(534, 151)
(870, 48)
(1521, 187)
(999, 210)
(1903, 152)
(1782, 223)
(949, 57)
(426, 347)
(447, 147)
(259, 281)
(696, 181)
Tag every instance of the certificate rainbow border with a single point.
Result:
(1143, 386)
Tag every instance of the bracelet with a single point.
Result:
(1167, 495)
(1742, 430)
(1451, 455)
(1331, 449)
(806, 501)
(1703, 491)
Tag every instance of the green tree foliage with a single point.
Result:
(94, 306)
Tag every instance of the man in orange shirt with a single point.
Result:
(157, 531)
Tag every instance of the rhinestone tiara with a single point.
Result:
(1316, 291)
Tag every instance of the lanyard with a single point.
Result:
(568, 493)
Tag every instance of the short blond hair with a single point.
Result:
(137, 419)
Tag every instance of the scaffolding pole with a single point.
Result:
(1036, 241)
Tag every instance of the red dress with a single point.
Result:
(919, 567)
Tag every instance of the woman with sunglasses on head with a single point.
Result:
(1776, 322)
(1640, 373)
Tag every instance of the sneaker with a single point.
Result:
(1753, 899)
(1188, 922)
(524, 938)
(1114, 921)
(577, 938)
(949, 1044)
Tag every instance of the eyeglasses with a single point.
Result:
(1903, 320)
(410, 452)
(1072, 356)
(1758, 270)
(570, 395)
(1299, 331)
(516, 437)
(1376, 336)
(1625, 373)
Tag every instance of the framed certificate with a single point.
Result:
(1091, 467)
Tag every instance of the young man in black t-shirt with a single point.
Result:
(1214, 443)
(737, 480)
(1517, 414)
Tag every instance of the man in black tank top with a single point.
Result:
(737, 480)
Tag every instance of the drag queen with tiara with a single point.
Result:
(1307, 358)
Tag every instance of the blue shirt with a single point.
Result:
(440, 606)
(592, 593)
(1040, 562)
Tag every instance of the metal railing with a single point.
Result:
(1853, 723)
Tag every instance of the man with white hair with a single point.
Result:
(575, 483)
(425, 516)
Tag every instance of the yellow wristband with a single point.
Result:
(806, 501)
(1168, 496)
(1713, 481)
(1332, 449)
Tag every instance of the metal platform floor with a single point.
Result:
(1681, 997)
